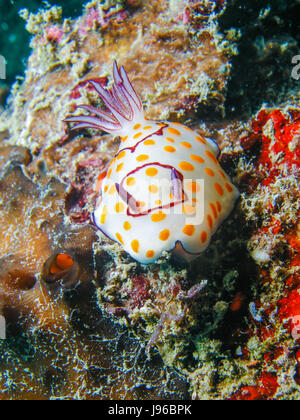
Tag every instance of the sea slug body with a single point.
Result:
(165, 189)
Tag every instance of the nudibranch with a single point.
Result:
(164, 190)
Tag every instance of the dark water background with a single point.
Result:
(14, 39)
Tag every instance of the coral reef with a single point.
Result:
(271, 204)
(155, 56)
(84, 320)
(57, 336)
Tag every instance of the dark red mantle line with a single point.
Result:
(133, 148)
(170, 205)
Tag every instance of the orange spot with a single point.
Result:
(201, 139)
(187, 128)
(209, 221)
(209, 171)
(61, 263)
(186, 144)
(100, 180)
(112, 190)
(149, 142)
(130, 181)
(211, 156)
(203, 237)
(212, 206)
(189, 230)
(120, 239)
(137, 126)
(150, 253)
(119, 167)
(135, 245)
(54, 269)
(151, 171)
(237, 302)
(164, 235)
(147, 127)
(119, 207)
(186, 166)
(222, 174)
(109, 173)
(228, 187)
(219, 189)
(193, 187)
(188, 209)
(123, 139)
(153, 189)
(170, 149)
(103, 215)
(127, 226)
(141, 204)
(106, 188)
(169, 139)
(158, 202)
(137, 135)
(172, 130)
(158, 217)
(219, 207)
(197, 158)
(141, 158)
(121, 155)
